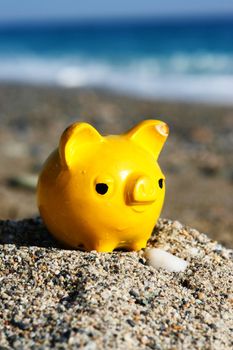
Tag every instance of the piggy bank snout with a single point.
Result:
(141, 190)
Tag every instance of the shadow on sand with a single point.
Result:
(27, 232)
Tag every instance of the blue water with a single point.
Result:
(178, 60)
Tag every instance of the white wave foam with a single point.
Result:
(203, 78)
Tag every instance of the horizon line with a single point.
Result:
(92, 20)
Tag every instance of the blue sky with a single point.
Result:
(17, 10)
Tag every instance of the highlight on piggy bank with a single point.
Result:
(104, 192)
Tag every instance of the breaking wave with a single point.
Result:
(196, 77)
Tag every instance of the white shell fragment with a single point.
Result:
(160, 259)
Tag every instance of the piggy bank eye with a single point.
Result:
(161, 181)
(101, 188)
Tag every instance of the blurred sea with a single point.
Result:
(187, 60)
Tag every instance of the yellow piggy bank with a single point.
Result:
(102, 192)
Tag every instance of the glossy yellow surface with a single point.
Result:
(106, 192)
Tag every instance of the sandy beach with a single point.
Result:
(197, 158)
(65, 299)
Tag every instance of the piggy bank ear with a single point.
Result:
(73, 139)
(150, 134)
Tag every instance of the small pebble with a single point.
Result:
(177, 225)
(160, 259)
(194, 251)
